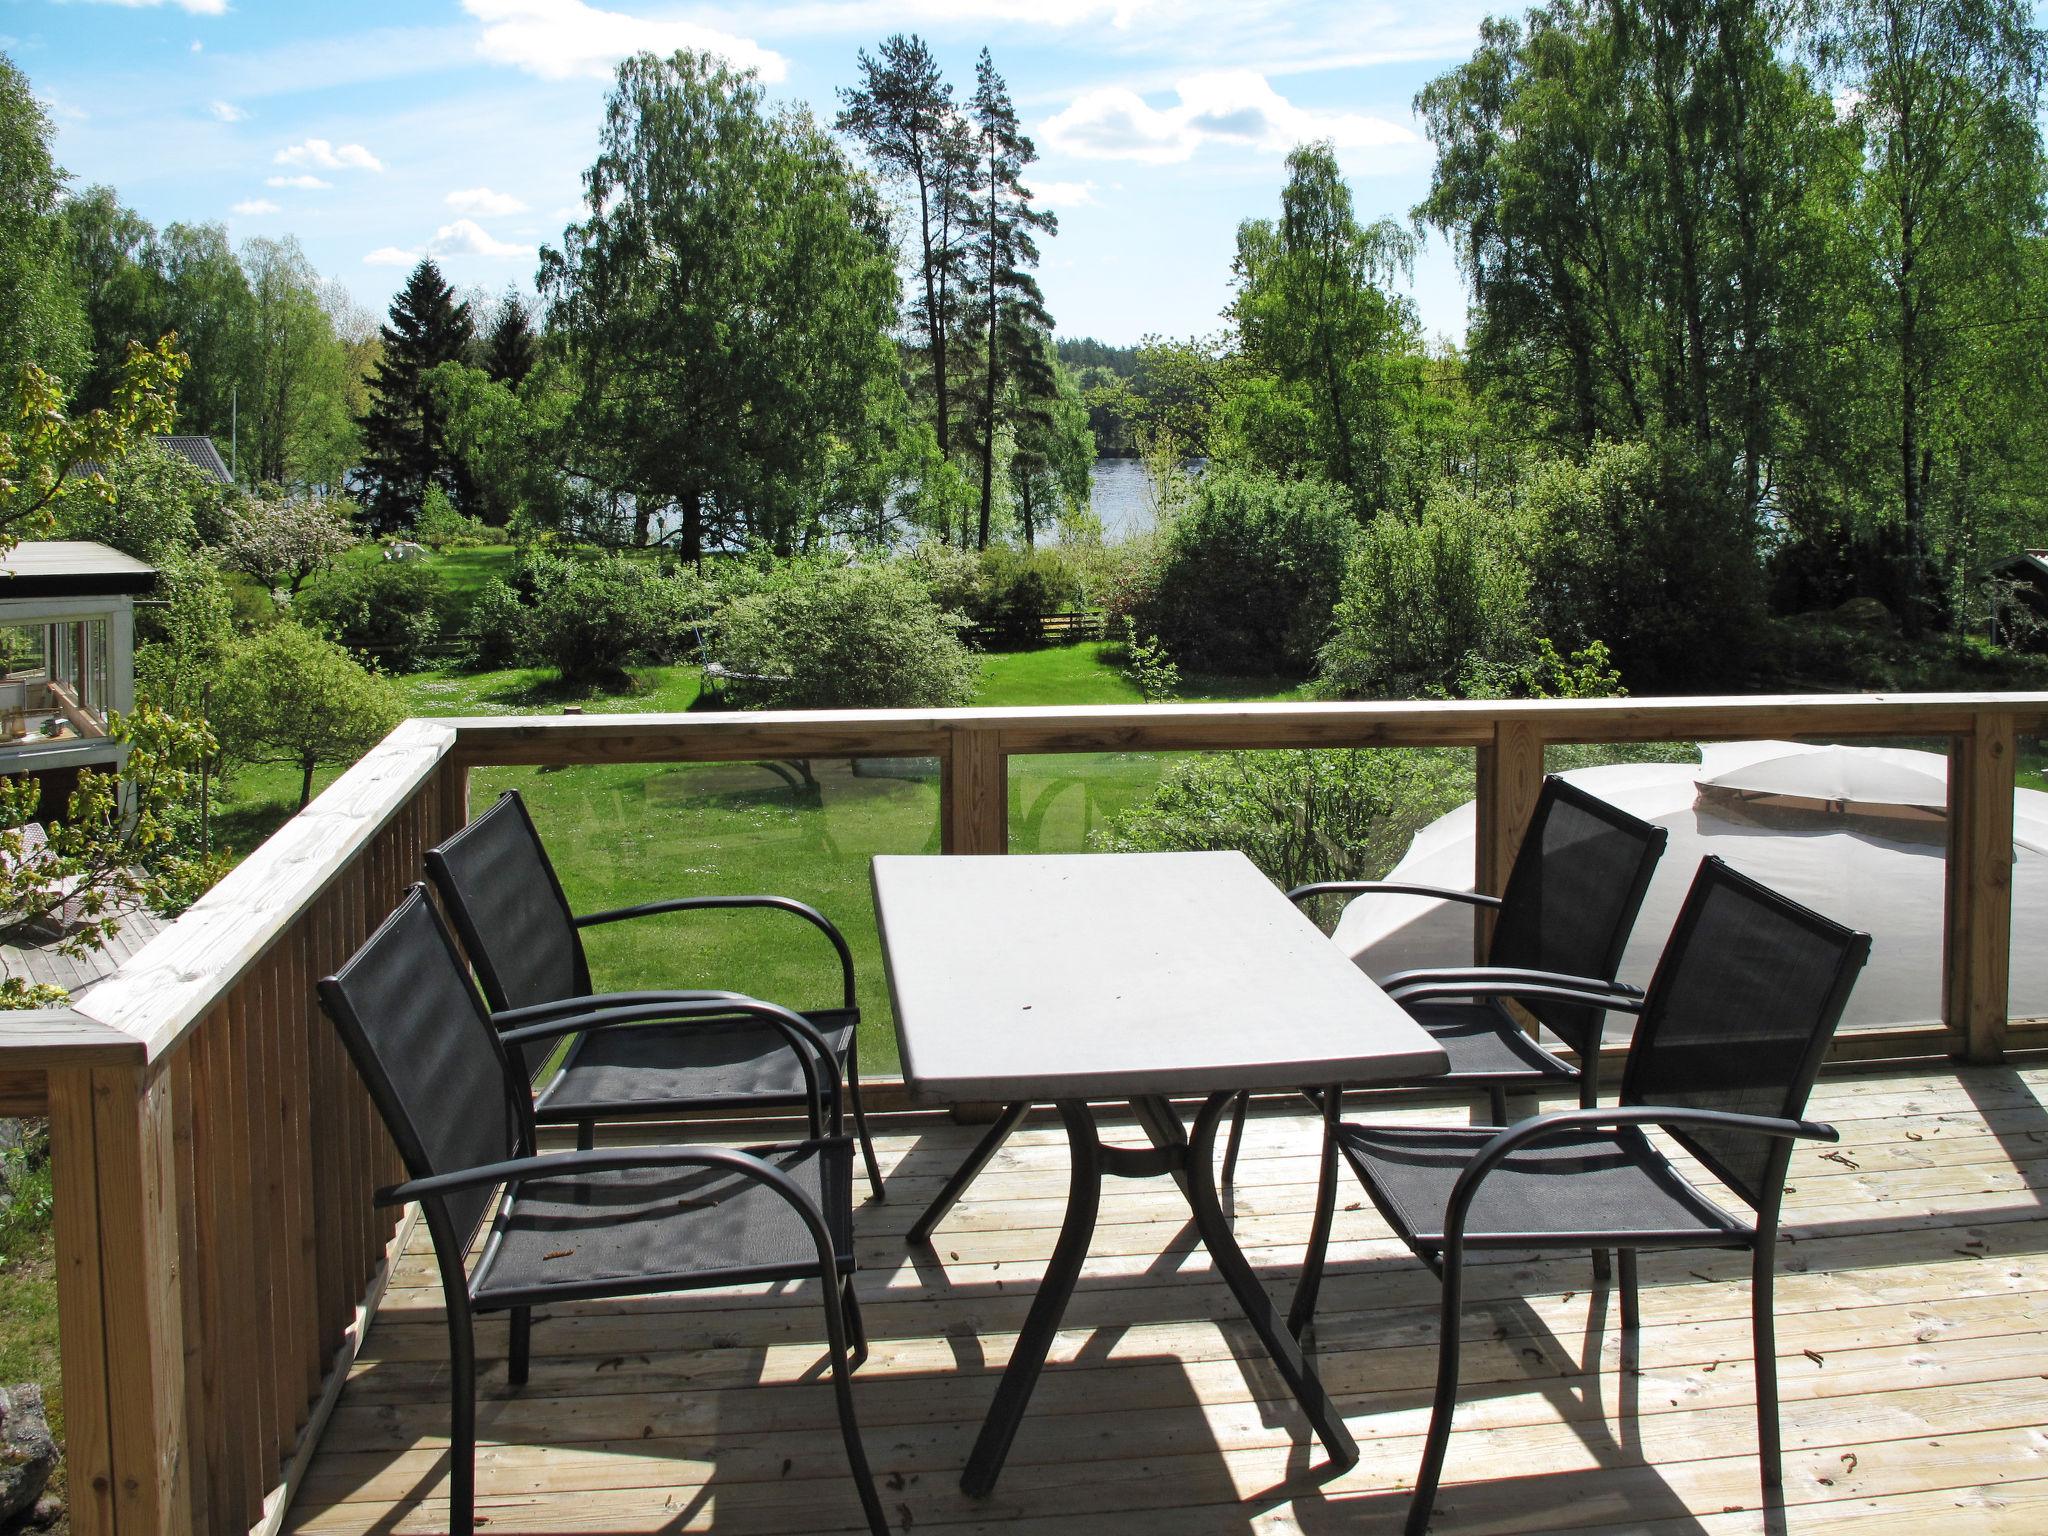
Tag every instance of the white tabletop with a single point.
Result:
(1117, 975)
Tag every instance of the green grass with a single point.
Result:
(631, 832)
(28, 1288)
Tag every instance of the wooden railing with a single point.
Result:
(214, 1154)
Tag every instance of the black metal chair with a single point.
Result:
(500, 887)
(623, 1221)
(1730, 1038)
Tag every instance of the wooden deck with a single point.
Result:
(1913, 1327)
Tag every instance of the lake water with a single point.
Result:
(1120, 492)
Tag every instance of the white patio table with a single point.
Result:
(1074, 979)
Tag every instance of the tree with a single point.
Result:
(903, 114)
(1947, 93)
(726, 308)
(207, 304)
(44, 452)
(285, 540)
(1322, 335)
(294, 412)
(116, 276)
(288, 696)
(1052, 460)
(511, 349)
(1015, 327)
(152, 501)
(39, 318)
(404, 451)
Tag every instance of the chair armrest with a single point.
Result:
(1597, 995)
(536, 1013)
(798, 1033)
(1389, 888)
(1485, 973)
(1537, 1127)
(748, 1163)
(809, 914)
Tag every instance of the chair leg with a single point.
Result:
(991, 1143)
(856, 1326)
(586, 1135)
(1497, 1101)
(461, 1421)
(522, 1346)
(1302, 1311)
(1236, 1141)
(1764, 1334)
(860, 1123)
(1631, 1310)
(1601, 1269)
(1438, 1439)
(849, 1426)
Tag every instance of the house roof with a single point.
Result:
(70, 568)
(2032, 563)
(200, 453)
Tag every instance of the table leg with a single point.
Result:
(1084, 1196)
(967, 1172)
(1251, 1295)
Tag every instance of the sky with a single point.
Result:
(378, 131)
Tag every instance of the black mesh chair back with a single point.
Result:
(1738, 1018)
(509, 907)
(1572, 896)
(417, 1031)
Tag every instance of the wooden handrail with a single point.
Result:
(214, 1151)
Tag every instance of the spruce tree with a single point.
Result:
(511, 350)
(403, 451)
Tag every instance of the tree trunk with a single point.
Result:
(306, 766)
(693, 527)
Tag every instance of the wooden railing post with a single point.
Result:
(974, 793)
(454, 808)
(120, 1298)
(1977, 939)
(1510, 777)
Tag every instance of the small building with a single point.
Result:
(67, 631)
(2019, 600)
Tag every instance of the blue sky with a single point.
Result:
(375, 131)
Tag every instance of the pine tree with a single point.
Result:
(1017, 361)
(511, 350)
(403, 451)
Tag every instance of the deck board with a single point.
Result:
(1913, 1340)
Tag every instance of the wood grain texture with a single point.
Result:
(1976, 950)
(974, 794)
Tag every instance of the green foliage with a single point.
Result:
(441, 527)
(498, 629)
(181, 641)
(845, 637)
(297, 422)
(592, 619)
(1299, 815)
(1249, 574)
(40, 323)
(118, 847)
(42, 448)
(287, 695)
(1148, 668)
(404, 452)
(154, 501)
(1427, 601)
(505, 439)
(1631, 548)
(388, 608)
(28, 1201)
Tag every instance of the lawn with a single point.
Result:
(624, 833)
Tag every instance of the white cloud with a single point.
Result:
(226, 112)
(390, 256)
(564, 39)
(303, 181)
(253, 206)
(1064, 194)
(482, 200)
(466, 237)
(329, 157)
(1231, 107)
(190, 7)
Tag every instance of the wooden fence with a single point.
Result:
(214, 1154)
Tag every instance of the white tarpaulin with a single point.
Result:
(1853, 832)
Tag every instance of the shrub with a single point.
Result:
(1019, 588)
(439, 526)
(182, 640)
(592, 619)
(1249, 574)
(851, 637)
(388, 608)
(1641, 551)
(1298, 815)
(284, 540)
(288, 696)
(498, 629)
(155, 502)
(1427, 604)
